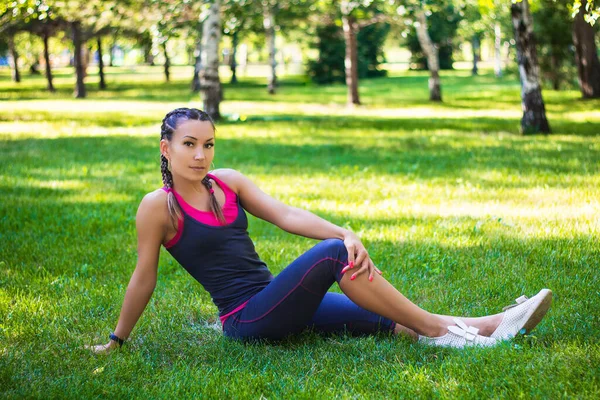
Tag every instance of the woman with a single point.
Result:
(200, 218)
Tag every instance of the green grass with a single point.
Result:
(461, 213)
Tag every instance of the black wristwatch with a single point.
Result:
(117, 339)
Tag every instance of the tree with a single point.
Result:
(209, 75)
(270, 9)
(239, 17)
(586, 53)
(534, 111)
(329, 67)
(472, 27)
(35, 16)
(431, 51)
(357, 14)
(16, 74)
(85, 20)
(279, 15)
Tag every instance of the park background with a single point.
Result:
(417, 142)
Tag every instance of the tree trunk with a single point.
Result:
(209, 76)
(113, 46)
(475, 48)
(167, 61)
(269, 25)
(534, 112)
(233, 65)
(197, 67)
(351, 56)
(78, 61)
(34, 67)
(102, 84)
(498, 50)
(16, 75)
(431, 51)
(45, 37)
(586, 56)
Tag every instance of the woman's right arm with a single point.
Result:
(151, 228)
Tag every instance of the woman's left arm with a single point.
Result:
(298, 221)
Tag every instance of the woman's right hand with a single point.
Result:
(103, 348)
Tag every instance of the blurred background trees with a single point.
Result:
(551, 43)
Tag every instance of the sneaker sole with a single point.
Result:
(540, 311)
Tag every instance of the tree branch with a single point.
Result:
(374, 20)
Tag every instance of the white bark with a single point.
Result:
(529, 70)
(431, 52)
(269, 25)
(534, 111)
(351, 55)
(497, 50)
(209, 75)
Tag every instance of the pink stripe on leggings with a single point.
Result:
(294, 288)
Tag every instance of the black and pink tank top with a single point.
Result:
(219, 256)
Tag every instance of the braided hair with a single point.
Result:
(169, 124)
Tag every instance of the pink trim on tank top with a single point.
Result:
(230, 208)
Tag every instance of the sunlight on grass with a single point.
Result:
(461, 213)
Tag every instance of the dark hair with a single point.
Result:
(168, 127)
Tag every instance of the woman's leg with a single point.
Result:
(287, 304)
(380, 297)
(337, 313)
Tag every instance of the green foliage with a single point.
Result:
(460, 212)
(329, 67)
(442, 28)
(553, 26)
(370, 40)
(592, 12)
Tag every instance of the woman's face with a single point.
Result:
(190, 150)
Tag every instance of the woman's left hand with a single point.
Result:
(358, 257)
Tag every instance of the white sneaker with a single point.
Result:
(459, 336)
(523, 316)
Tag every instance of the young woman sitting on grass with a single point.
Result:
(200, 219)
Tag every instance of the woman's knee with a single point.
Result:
(335, 248)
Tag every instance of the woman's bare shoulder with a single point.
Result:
(231, 177)
(154, 205)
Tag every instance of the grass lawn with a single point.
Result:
(461, 213)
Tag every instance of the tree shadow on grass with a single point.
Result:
(121, 160)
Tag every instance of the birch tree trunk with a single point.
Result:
(269, 25)
(209, 75)
(102, 84)
(475, 48)
(46, 37)
(78, 61)
(498, 50)
(586, 55)
(197, 67)
(431, 52)
(351, 56)
(534, 112)
(16, 75)
(233, 64)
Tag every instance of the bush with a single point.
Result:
(329, 67)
